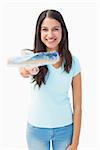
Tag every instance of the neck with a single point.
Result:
(52, 49)
(58, 64)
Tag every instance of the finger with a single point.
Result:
(34, 71)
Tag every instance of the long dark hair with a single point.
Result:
(39, 46)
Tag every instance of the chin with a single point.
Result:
(52, 48)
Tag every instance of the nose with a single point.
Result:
(50, 34)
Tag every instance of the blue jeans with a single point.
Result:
(39, 138)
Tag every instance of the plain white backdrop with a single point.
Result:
(18, 25)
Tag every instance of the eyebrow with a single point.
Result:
(52, 27)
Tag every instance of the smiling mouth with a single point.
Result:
(51, 40)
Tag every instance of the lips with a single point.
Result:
(51, 40)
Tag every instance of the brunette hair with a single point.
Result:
(39, 46)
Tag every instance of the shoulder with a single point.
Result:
(76, 68)
(75, 59)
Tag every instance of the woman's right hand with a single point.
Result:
(25, 72)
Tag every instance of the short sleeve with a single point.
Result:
(75, 66)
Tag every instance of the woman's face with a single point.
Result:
(51, 33)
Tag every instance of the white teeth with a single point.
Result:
(50, 40)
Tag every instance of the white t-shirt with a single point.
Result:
(50, 105)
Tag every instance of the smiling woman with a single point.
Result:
(50, 116)
(51, 33)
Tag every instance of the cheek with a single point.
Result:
(59, 36)
(42, 36)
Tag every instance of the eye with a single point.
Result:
(44, 29)
(55, 29)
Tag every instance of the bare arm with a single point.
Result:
(77, 100)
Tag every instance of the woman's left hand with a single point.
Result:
(71, 147)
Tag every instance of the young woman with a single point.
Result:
(51, 117)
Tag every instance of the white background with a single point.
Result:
(18, 21)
